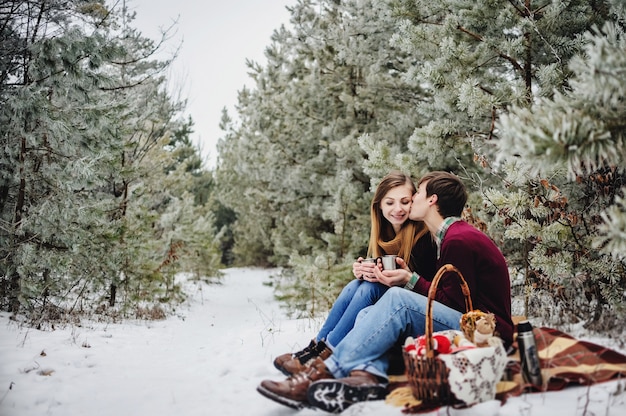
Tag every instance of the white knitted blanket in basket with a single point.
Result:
(474, 373)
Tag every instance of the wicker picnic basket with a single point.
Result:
(428, 375)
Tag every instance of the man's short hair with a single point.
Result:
(450, 191)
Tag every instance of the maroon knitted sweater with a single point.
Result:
(484, 268)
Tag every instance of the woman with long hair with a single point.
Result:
(391, 233)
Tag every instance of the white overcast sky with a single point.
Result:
(217, 36)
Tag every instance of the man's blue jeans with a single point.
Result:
(355, 296)
(399, 313)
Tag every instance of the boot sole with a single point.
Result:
(334, 396)
(294, 404)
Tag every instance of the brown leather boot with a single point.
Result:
(292, 392)
(294, 363)
(334, 396)
(299, 364)
(280, 361)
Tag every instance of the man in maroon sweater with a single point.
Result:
(357, 369)
(472, 252)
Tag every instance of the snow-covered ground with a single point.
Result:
(207, 360)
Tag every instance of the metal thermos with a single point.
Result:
(531, 368)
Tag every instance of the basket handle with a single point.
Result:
(430, 353)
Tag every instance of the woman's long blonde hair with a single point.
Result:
(383, 239)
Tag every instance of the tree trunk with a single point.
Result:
(113, 291)
(14, 284)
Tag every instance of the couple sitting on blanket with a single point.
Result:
(332, 374)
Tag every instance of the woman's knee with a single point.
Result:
(352, 287)
(369, 290)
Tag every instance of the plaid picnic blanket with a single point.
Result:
(564, 359)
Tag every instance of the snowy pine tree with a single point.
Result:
(570, 150)
(85, 122)
(328, 118)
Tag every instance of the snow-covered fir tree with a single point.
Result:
(563, 159)
(299, 168)
(85, 122)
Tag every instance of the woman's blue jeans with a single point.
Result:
(355, 296)
(399, 313)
